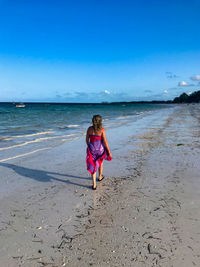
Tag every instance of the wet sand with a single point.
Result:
(145, 213)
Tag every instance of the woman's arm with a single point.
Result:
(106, 142)
(87, 137)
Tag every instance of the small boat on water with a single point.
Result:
(21, 105)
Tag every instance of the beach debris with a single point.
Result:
(89, 227)
(59, 225)
(45, 263)
(145, 234)
(69, 239)
(156, 209)
(180, 144)
(152, 250)
(39, 241)
(124, 228)
(134, 259)
(152, 237)
(81, 216)
(63, 242)
(17, 257)
(39, 227)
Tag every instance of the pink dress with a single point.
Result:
(96, 153)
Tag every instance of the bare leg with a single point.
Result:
(94, 180)
(101, 171)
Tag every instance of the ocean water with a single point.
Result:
(41, 126)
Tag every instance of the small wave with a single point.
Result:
(35, 141)
(73, 125)
(71, 139)
(126, 116)
(69, 126)
(121, 117)
(25, 154)
(32, 152)
(5, 138)
(35, 134)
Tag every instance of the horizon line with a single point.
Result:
(87, 103)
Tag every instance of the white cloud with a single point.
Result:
(107, 92)
(184, 83)
(189, 93)
(165, 92)
(195, 78)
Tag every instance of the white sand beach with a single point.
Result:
(144, 213)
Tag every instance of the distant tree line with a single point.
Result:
(185, 98)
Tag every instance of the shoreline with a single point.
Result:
(23, 138)
(56, 215)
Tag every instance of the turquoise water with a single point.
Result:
(41, 117)
(41, 126)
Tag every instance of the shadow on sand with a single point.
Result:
(44, 176)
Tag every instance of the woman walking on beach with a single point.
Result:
(97, 149)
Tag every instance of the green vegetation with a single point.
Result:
(185, 98)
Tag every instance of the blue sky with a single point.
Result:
(93, 51)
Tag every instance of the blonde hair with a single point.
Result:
(97, 122)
